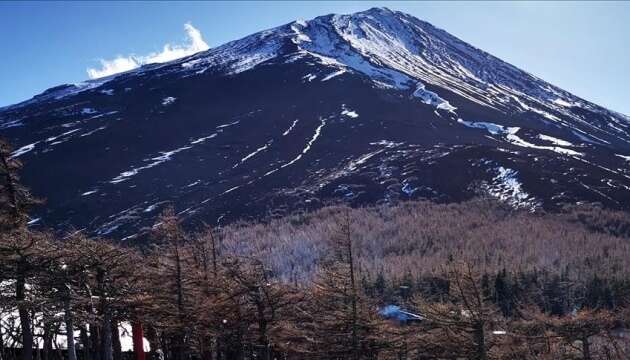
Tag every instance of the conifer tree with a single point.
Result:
(20, 249)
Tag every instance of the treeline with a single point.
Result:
(314, 286)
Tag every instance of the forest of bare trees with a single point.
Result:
(474, 280)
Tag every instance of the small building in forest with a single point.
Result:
(395, 312)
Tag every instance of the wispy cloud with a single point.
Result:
(169, 52)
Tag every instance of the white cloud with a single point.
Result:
(109, 67)
(169, 52)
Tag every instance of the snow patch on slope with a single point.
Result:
(290, 128)
(168, 101)
(309, 77)
(254, 153)
(431, 98)
(154, 161)
(334, 74)
(506, 187)
(512, 138)
(23, 150)
(157, 160)
(492, 128)
(554, 140)
(516, 140)
(11, 123)
(564, 103)
(310, 143)
(203, 139)
(345, 111)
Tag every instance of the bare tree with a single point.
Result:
(24, 255)
(102, 275)
(466, 325)
(172, 275)
(345, 322)
(586, 333)
(268, 303)
(210, 282)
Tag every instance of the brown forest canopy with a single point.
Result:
(421, 237)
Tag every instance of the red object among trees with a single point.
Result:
(138, 340)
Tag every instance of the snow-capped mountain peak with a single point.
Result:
(371, 107)
(399, 50)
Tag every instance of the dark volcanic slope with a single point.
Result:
(372, 107)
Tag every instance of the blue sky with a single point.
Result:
(582, 47)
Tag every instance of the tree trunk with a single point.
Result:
(138, 340)
(48, 340)
(263, 342)
(355, 336)
(85, 341)
(480, 342)
(179, 338)
(25, 317)
(214, 254)
(117, 346)
(206, 347)
(2, 357)
(95, 342)
(72, 354)
(106, 341)
(586, 348)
